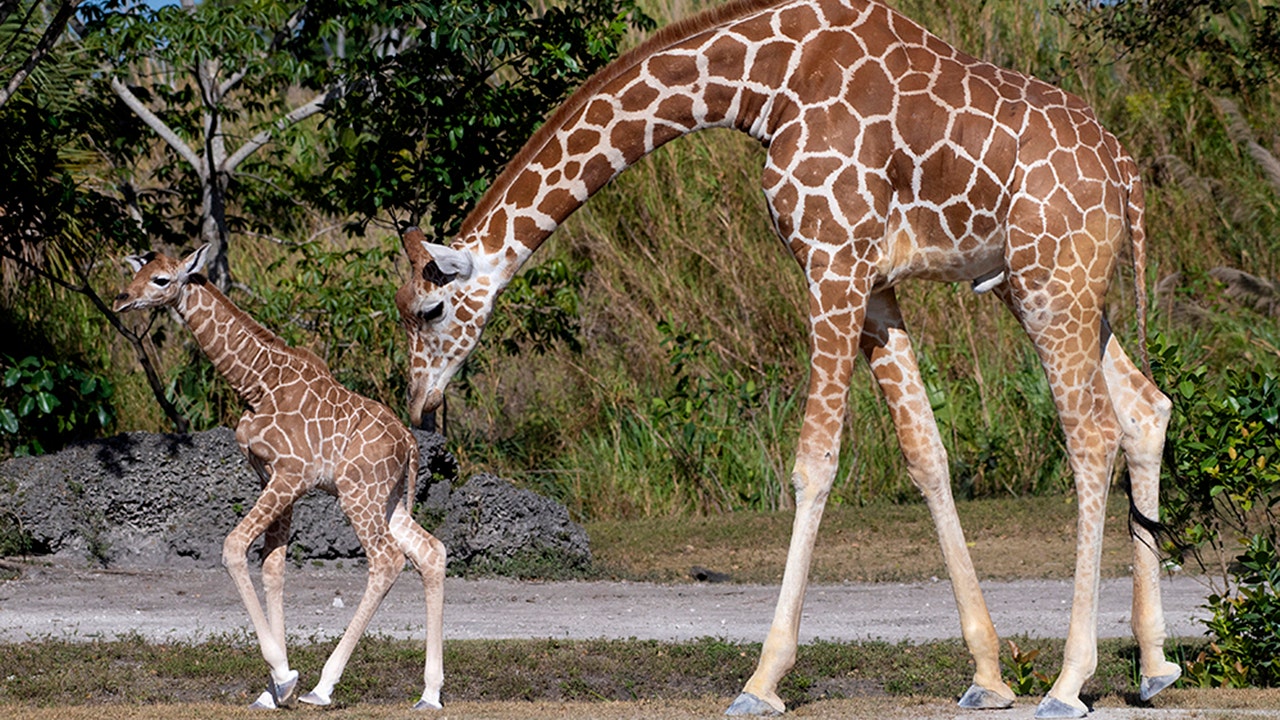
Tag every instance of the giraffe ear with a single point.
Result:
(450, 261)
(194, 262)
(138, 261)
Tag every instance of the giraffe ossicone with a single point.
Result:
(890, 156)
(304, 430)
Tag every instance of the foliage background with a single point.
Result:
(650, 361)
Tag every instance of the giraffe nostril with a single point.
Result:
(122, 296)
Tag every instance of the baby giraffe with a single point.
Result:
(303, 430)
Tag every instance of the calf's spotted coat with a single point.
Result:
(304, 430)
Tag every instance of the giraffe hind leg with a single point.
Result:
(1069, 343)
(368, 507)
(1143, 413)
(428, 556)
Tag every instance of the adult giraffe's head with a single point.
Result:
(443, 307)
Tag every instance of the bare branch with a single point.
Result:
(155, 123)
(298, 114)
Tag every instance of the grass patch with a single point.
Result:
(1009, 538)
(383, 671)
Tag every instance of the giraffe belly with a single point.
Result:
(910, 253)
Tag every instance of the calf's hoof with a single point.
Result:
(314, 698)
(264, 702)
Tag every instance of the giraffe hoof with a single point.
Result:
(314, 698)
(264, 702)
(1149, 687)
(282, 693)
(748, 704)
(425, 704)
(980, 698)
(1052, 707)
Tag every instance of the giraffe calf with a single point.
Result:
(304, 430)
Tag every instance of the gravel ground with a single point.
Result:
(67, 602)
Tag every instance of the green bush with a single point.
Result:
(1222, 456)
(1223, 461)
(1246, 624)
(46, 403)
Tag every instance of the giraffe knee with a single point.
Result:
(235, 553)
(437, 554)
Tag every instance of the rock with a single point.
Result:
(144, 499)
(493, 525)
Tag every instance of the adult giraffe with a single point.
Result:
(890, 156)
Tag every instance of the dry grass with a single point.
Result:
(1173, 705)
(1008, 538)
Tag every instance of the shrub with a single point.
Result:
(46, 403)
(1222, 456)
(1245, 623)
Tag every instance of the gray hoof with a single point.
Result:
(1149, 687)
(748, 704)
(980, 698)
(282, 693)
(1052, 707)
(313, 699)
(264, 702)
(427, 705)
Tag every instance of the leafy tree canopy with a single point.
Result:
(439, 95)
(1226, 45)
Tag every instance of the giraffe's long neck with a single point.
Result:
(728, 73)
(240, 349)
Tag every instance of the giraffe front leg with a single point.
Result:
(887, 347)
(234, 557)
(815, 468)
(813, 477)
(1143, 413)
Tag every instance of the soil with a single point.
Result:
(68, 602)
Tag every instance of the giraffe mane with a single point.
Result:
(660, 40)
(256, 329)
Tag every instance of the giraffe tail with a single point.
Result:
(1138, 239)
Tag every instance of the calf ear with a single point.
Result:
(138, 261)
(194, 262)
(450, 261)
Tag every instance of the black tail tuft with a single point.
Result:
(1157, 529)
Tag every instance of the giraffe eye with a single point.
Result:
(160, 281)
(432, 314)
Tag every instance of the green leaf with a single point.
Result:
(46, 402)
